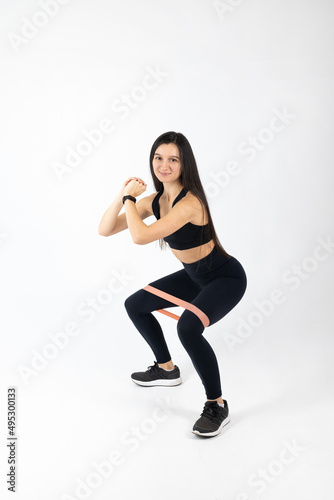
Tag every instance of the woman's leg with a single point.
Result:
(140, 305)
(216, 299)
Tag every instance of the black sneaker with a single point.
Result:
(212, 419)
(157, 376)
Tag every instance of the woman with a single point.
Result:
(210, 284)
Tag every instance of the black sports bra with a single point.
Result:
(188, 236)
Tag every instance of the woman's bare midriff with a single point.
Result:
(194, 254)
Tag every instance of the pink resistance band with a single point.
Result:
(179, 302)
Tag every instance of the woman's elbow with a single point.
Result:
(102, 232)
(140, 240)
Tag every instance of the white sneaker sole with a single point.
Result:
(161, 382)
(213, 433)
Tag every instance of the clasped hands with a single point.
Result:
(134, 186)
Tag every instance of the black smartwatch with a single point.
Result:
(128, 197)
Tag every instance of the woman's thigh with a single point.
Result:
(219, 297)
(214, 298)
(177, 284)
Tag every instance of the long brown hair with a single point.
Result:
(189, 178)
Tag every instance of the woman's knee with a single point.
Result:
(133, 303)
(189, 326)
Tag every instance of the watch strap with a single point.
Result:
(128, 197)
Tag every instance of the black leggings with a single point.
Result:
(214, 284)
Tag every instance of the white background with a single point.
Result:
(225, 72)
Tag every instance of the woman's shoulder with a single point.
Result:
(193, 200)
(198, 213)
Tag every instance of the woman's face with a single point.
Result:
(167, 162)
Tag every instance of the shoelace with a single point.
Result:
(154, 368)
(210, 411)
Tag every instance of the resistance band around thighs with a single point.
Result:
(179, 302)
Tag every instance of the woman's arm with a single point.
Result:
(142, 234)
(112, 223)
